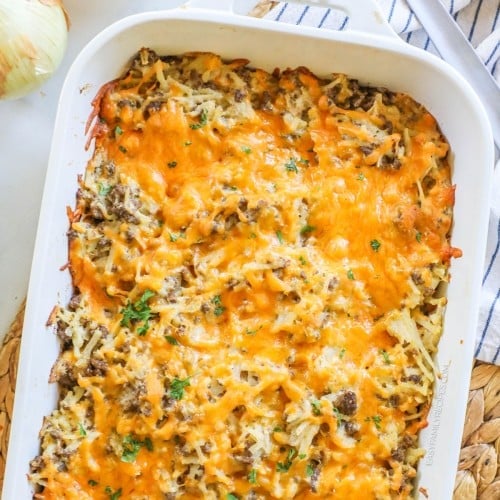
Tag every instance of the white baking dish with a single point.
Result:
(375, 56)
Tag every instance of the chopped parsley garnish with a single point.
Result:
(172, 164)
(171, 340)
(307, 229)
(231, 496)
(350, 274)
(302, 456)
(285, 466)
(131, 447)
(188, 143)
(338, 416)
(219, 308)
(361, 177)
(122, 149)
(91, 482)
(138, 311)
(82, 430)
(375, 244)
(376, 419)
(342, 352)
(279, 235)
(248, 331)
(304, 161)
(418, 237)
(174, 237)
(277, 429)
(113, 495)
(309, 470)
(246, 150)
(202, 122)
(177, 388)
(118, 130)
(148, 444)
(252, 476)
(102, 189)
(291, 166)
(302, 260)
(252, 235)
(385, 355)
(316, 407)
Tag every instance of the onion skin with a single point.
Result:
(33, 37)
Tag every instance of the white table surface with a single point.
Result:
(25, 146)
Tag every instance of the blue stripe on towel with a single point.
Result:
(474, 22)
(304, 12)
(493, 256)
(487, 324)
(280, 13)
(323, 19)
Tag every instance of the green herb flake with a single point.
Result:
(361, 177)
(291, 166)
(302, 260)
(307, 229)
(219, 308)
(131, 447)
(304, 161)
(376, 419)
(177, 387)
(118, 130)
(148, 444)
(103, 190)
(249, 331)
(246, 150)
(82, 430)
(252, 476)
(418, 237)
(203, 121)
(302, 456)
(309, 470)
(342, 352)
(277, 429)
(171, 340)
(231, 496)
(385, 355)
(174, 237)
(138, 311)
(285, 466)
(172, 164)
(252, 235)
(188, 143)
(338, 416)
(375, 244)
(113, 495)
(122, 149)
(316, 407)
(91, 482)
(279, 235)
(350, 274)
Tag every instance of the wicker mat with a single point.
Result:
(478, 474)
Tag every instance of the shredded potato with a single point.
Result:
(256, 261)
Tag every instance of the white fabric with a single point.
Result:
(479, 20)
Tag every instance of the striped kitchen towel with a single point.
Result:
(479, 21)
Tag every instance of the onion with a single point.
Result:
(33, 35)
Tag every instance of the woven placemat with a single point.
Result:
(478, 474)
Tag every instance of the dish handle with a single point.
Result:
(364, 15)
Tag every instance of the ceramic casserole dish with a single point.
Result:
(370, 52)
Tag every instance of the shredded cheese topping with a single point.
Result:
(256, 261)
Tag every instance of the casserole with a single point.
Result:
(371, 58)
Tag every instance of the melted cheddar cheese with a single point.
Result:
(256, 261)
